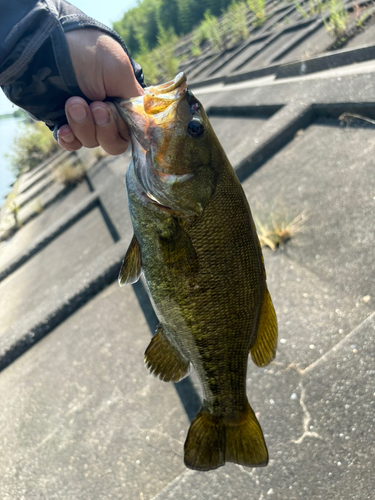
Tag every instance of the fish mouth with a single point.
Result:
(157, 121)
(153, 115)
(156, 107)
(166, 88)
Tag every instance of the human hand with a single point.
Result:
(102, 70)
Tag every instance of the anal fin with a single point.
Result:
(264, 349)
(164, 360)
(131, 268)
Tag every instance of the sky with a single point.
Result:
(106, 12)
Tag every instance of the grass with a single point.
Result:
(361, 19)
(160, 64)
(338, 19)
(12, 204)
(70, 174)
(209, 30)
(230, 30)
(258, 8)
(348, 117)
(276, 229)
(312, 8)
(37, 206)
(33, 144)
(233, 23)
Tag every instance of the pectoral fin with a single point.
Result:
(164, 360)
(131, 268)
(264, 348)
(178, 251)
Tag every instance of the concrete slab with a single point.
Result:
(233, 130)
(223, 60)
(316, 425)
(318, 42)
(27, 180)
(266, 56)
(23, 237)
(334, 183)
(240, 59)
(108, 177)
(365, 37)
(82, 418)
(312, 315)
(347, 87)
(333, 451)
(32, 283)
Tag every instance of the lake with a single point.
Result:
(8, 131)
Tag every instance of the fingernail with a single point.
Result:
(68, 137)
(101, 115)
(78, 113)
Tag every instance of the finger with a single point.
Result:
(110, 132)
(67, 139)
(81, 121)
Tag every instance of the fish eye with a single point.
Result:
(195, 128)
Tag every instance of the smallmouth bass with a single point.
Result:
(196, 244)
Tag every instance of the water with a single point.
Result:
(8, 131)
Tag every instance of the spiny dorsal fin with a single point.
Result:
(264, 348)
(164, 360)
(131, 268)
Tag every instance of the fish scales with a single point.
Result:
(197, 247)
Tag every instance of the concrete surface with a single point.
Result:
(80, 417)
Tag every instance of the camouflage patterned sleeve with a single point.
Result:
(36, 72)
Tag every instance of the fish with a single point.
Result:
(196, 245)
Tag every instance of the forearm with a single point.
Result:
(36, 72)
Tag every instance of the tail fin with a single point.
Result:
(213, 440)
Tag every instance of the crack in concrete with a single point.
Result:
(294, 366)
(251, 473)
(306, 419)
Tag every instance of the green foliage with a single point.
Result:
(258, 8)
(33, 144)
(231, 29)
(312, 7)
(21, 113)
(202, 33)
(145, 21)
(140, 23)
(70, 174)
(160, 64)
(210, 26)
(234, 22)
(12, 204)
(360, 21)
(338, 19)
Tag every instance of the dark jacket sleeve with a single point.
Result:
(36, 71)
